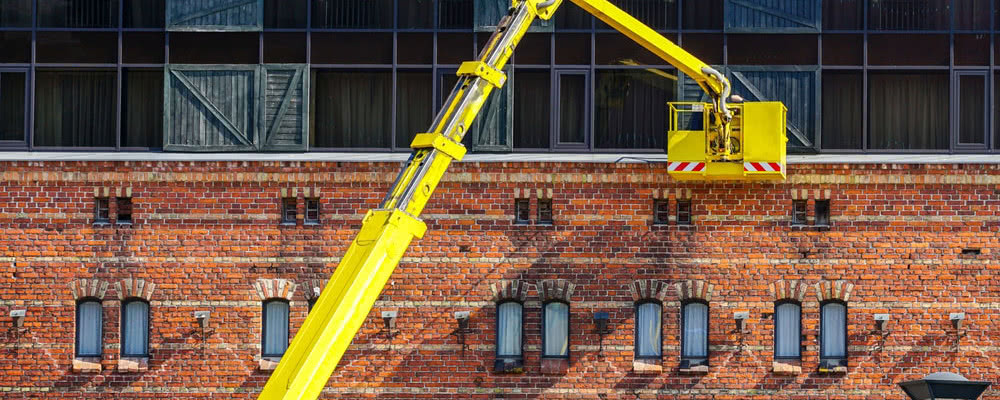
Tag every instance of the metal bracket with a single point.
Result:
(440, 142)
(482, 70)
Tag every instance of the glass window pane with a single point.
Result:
(12, 108)
(415, 48)
(773, 49)
(844, 49)
(972, 109)
(77, 47)
(143, 47)
(571, 16)
(416, 14)
(787, 330)
(631, 108)
(908, 111)
(275, 328)
(532, 94)
(136, 328)
(834, 333)
(706, 46)
(352, 109)
(972, 49)
(285, 14)
(573, 48)
(455, 48)
(702, 14)
(351, 48)
(414, 104)
(535, 48)
(843, 14)
(842, 108)
(285, 47)
(78, 14)
(214, 47)
(352, 14)
(695, 330)
(143, 13)
(618, 49)
(15, 13)
(88, 329)
(648, 330)
(455, 14)
(972, 14)
(142, 108)
(898, 49)
(75, 108)
(556, 330)
(509, 329)
(15, 47)
(572, 108)
(657, 14)
(908, 14)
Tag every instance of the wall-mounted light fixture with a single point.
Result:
(17, 317)
(741, 317)
(956, 319)
(881, 321)
(462, 318)
(389, 320)
(202, 317)
(601, 322)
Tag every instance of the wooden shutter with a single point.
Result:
(493, 129)
(215, 15)
(284, 107)
(796, 87)
(487, 15)
(773, 15)
(210, 108)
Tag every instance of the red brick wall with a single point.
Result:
(206, 232)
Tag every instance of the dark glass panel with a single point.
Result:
(455, 48)
(842, 109)
(142, 108)
(630, 108)
(214, 47)
(972, 14)
(285, 14)
(414, 104)
(535, 48)
(416, 14)
(572, 108)
(532, 95)
(908, 49)
(284, 47)
(571, 16)
(706, 46)
(352, 14)
(353, 109)
(769, 49)
(142, 47)
(455, 14)
(77, 47)
(701, 14)
(12, 107)
(15, 13)
(617, 49)
(971, 109)
(415, 48)
(75, 108)
(845, 49)
(351, 48)
(657, 14)
(843, 14)
(78, 13)
(143, 13)
(15, 47)
(572, 48)
(908, 110)
(972, 49)
(908, 15)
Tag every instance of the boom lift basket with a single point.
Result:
(758, 137)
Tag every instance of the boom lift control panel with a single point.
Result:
(712, 140)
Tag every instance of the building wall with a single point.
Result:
(206, 236)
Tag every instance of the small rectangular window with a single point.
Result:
(214, 47)
(522, 211)
(683, 212)
(142, 108)
(532, 101)
(124, 213)
(661, 211)
(823, 212)
(288, 210)
(75, 108)
(545, 211)
(102, 210)
(312, 211)
(799, 212)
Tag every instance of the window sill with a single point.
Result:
(268, 363)
(647, 366)
(786, 367)
(555, 366)
(291, 224)
(133, 364)
(87, 365)
(833, 370)
(697, 369)
(508, 366)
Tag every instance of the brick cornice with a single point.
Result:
(82, 288)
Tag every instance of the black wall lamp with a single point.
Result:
(881, 322)
(944, 385)
(601, 322)
(741, 317)
(17, 318)
(956, 319)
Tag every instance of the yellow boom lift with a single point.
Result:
(713, 140)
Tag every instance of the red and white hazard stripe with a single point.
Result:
(684, 166)
(763, 167)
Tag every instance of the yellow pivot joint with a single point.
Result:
(405, 222)
(440, 142)
(482, 70)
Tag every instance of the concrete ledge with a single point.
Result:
(641, 158)
(786, 367)
(87, 365)
(268, 363)
(647, 366)
(700, 369)
(555, 366)
(133, 364)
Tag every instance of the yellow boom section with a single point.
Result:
(386, 232)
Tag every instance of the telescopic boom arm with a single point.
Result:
(386, 232)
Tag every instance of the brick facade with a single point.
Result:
(206, 236)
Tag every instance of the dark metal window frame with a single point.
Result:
(28, 108)
(800, 212)
(798, 337)
(496, 323)
(522, 206)
(102, 210)
(289, 215)
(708, 326)
(661, 211)
(263, 321)
(822, 329)
(546, 212)
(684, 212)
(635, 345)
(569, 322)
(100, 327)
(125, 323)
(314, 206)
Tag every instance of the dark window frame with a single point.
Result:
(100, 327)
(546, 213)
(684, 212)
(28, 109)
(496, 353)
(289, 216)
(124, 324)
(317, 210)
(775, 332)
(522, 205)
(822, 330)
(102, 210)
(822, 214)
(696, 360)
(800, 212)
(569, 323)
(635, 344)
(263, 320)
(661, 211)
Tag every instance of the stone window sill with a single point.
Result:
(508, 366)
(87, 365)
(833, 370)
(133, 364)
(650, 366)
(555, 366)
(268, 363)
(786, 367)
(697, 369)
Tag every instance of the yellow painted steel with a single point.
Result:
(386, 232)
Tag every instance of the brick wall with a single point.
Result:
(206, 236)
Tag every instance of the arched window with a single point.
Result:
(833, 332)
(555, 329)
(694, 329)
(648, 330)
(509, 328)
(787, 329)
(135, 328)
(274, 341)
(89, 320)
